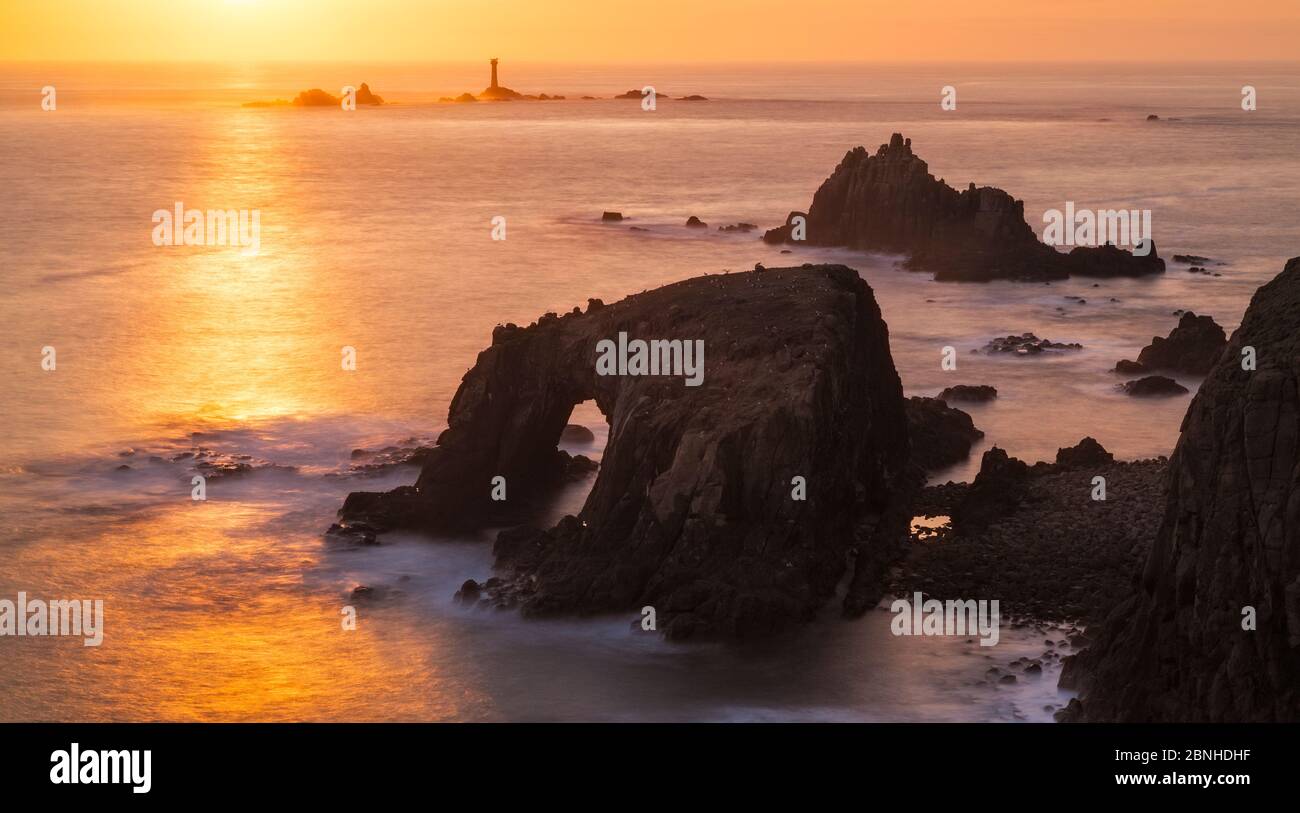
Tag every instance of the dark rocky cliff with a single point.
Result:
(1229, 540)
(691, 511)
(889, 202)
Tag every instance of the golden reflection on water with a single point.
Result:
(230, 336)
(208, 615)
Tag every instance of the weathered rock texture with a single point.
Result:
(940, 435)
(691, 511)
(1192, 347)
(890, 202)
(1053, 553)
(1230, 539)
(1000, 486)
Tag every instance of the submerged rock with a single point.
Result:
(1213, 629)
(693, 510)
(1027, 344)
(975, 393)
(577, 434)
(1192, 259)
(1153, 386)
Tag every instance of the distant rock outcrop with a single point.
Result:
(1192, 348)
(364, 96)
(1212, 632)
(889, 202)
(694, 510)
(319, 98)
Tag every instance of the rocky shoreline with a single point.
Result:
(736, 509)
(1211, 630)
(1051, 553)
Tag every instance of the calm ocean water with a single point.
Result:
(375, 234)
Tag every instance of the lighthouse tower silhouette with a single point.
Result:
(496, 91)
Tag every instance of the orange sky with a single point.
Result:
(649, 31)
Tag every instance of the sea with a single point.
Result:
(124, 363)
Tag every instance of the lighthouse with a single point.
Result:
(496, 92)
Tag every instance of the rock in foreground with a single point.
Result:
(1227, 552)
(940, 435)
(1045, 548)
(692, 510)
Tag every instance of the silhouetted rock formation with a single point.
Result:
(1192, 347)
(364, 96)
(889, 202)
(940, 435)
(577, 433)
(1000, 486)
(1230, 540)
(1086, 453)
(692, 510)
(969, 392)
(1153, 386)
(319, 98)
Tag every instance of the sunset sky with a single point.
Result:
(662, 30)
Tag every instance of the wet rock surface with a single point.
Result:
(1027, 344)
(1176, 648)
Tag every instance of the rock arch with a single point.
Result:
(691, 509)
